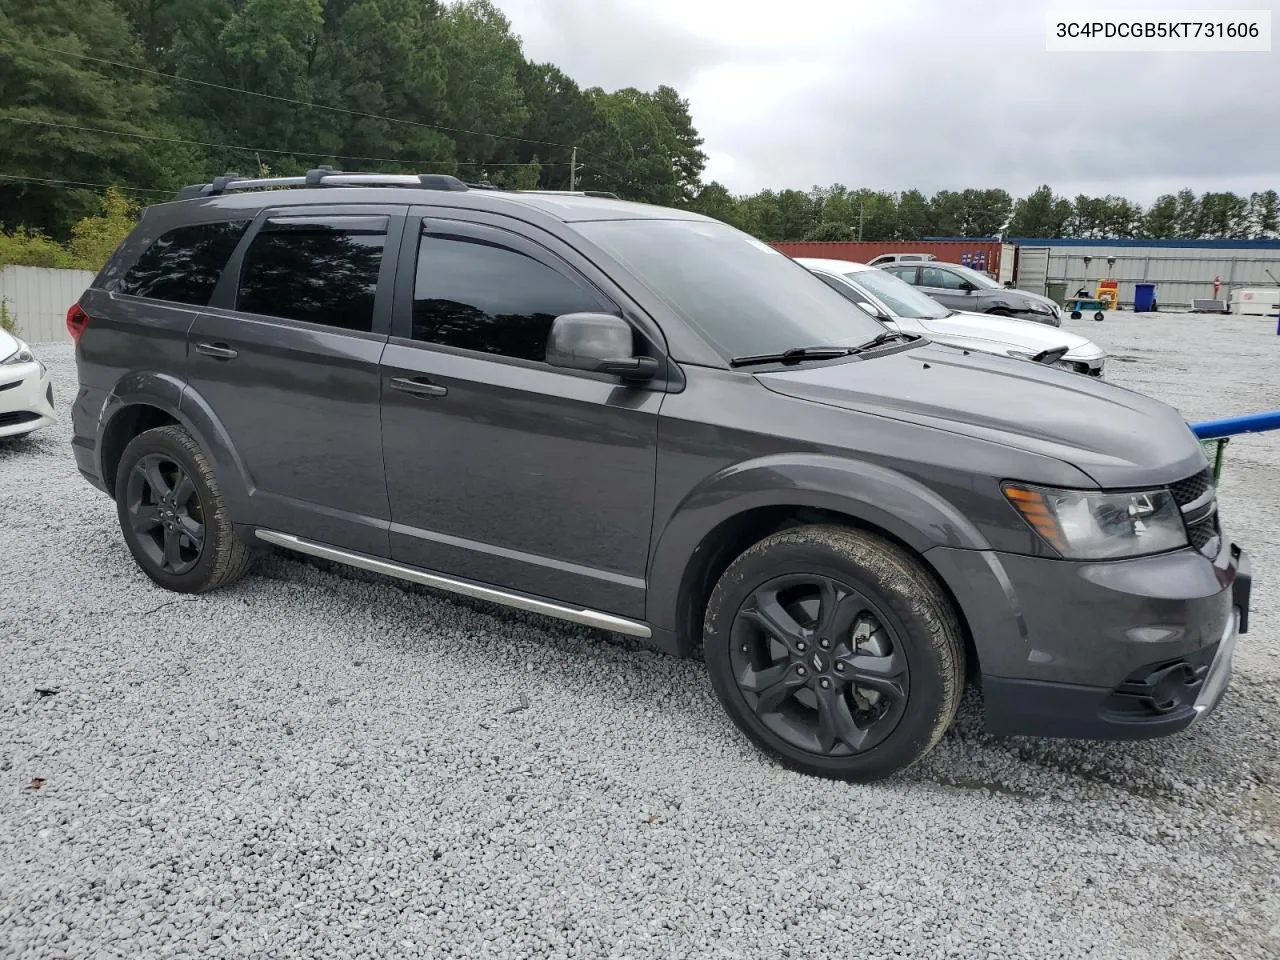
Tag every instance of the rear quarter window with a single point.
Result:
(183, 265)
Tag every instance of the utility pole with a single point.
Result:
(861, 217)
(573, 168)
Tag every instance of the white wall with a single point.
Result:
(37, 298)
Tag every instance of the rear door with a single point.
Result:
(286, 357)
(501, 468)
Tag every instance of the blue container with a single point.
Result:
(1144, 297)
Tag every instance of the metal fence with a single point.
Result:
(1182, 271)
(37, 299)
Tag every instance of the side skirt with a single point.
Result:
(520, 601)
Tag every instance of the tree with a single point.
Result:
(43, 88)
(95, 238)
(1161, 219)
(915, 219)
(830, 232)
(1264, 214)
(1040, 214)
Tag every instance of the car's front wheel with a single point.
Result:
(172, 514)
(836, 651)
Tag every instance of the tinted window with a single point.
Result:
(478, 295)
(745, 297)
(316, 269)
(183, 265)
(937, 277)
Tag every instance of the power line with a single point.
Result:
(84, 183)
(299, 103)
(323, 106)
(288, 153)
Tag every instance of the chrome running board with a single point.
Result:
(549, 608)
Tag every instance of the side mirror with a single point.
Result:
(598, 342)
(967, 287)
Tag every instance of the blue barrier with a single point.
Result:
(1214, 435)
(1230, 426)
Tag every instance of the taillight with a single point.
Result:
(77, 320)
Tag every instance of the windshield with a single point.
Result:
(743, 296)
(902, 299)
(979, 280)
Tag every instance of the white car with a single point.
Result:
(901, 306)
(26, 396)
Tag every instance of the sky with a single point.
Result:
(927, 94)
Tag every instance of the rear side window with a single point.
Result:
(320, 270)
(479, 295)
(183, 265)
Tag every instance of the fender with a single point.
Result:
(873, 494)
(178, 400)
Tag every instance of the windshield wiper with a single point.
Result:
(882, 338)
(794, 355)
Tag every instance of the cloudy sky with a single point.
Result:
(931, 94)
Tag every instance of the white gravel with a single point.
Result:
(319, 763)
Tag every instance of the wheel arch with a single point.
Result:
(141, 402)
(709, 530)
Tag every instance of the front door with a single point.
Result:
(946, 286)
(500, 468)
(286, 357)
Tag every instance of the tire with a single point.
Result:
(1099, 316)
(1000, 312)
(154, 464)
(1075, 314)
(915, 648)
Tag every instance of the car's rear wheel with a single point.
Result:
(172, 514)
(836, 651)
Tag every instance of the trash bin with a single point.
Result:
(1144, 297)
(1056, 290)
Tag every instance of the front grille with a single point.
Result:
(1204, 532)
(1193, 488)
(17, 417)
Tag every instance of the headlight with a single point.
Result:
(1039, 307)
(1068, 365)
(22, 355)
(1083, 525)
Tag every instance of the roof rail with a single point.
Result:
(322, 177)
(329, 177)
(601, 194)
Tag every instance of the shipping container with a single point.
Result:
(988, 255)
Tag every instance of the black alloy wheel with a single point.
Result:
(166, 514)
(820, 664)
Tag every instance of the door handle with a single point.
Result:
(219, 351)
(418, 386)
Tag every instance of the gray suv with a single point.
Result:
(645, 421)
(961, 288)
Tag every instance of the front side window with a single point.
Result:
(941, 279)
(477, 294)
(901, 298)
(907, 274)
(320, 270)
(184, 264)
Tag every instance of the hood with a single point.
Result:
(1118, 437)
(1020, 334)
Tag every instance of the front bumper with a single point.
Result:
(26, 398)
(1119, 651)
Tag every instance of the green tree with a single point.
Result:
(1161, 218)
(830, 232)
(36, 85)
(915, 219)
(95, 238)
(1264, 214)
(1040, 214)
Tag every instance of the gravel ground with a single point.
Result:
(320, 763)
